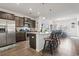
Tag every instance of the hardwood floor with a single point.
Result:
(67, 47)
(22, 49)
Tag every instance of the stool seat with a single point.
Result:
(48, 39)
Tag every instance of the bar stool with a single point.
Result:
(52, 42)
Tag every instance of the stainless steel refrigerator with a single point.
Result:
(7, 32)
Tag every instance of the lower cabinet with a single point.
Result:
(20, 36)
(32, 40)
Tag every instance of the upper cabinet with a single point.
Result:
(19, 21)
(8, 16)
(30, 22)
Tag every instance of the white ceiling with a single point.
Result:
(58, 9)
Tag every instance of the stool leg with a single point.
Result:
(44, 45)
(50, 43)
(56, 43)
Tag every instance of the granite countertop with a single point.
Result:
(32, 32)
(39, 32)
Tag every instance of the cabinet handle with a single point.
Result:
(32, 36)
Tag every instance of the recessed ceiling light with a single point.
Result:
(30, 9)
(44, 17)
(30, 12)
(17, 3)
(38, 12)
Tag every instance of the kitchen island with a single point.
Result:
(36, 40)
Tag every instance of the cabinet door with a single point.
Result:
(33, 24)
(2, 15)
(20, 36)
(8, 16)
(21, 21)
(17, 22)
(32, 38)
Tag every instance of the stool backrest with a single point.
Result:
(56, 34)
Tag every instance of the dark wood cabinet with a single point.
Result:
(8, 16)
(20, 36)
(19, 21)
(32, 40)
(31, 22)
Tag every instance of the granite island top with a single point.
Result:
(38, 32)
